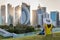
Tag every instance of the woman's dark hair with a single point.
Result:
(48, 25)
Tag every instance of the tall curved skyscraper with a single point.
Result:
(25, 16)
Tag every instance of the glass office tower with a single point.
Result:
(54, 15)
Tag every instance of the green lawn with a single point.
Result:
(56, 36)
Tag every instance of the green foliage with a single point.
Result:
(19, 28)
(4, 27)
(11, 29)
(23, 29)
(29, 29)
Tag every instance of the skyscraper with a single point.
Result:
(10, 14)
(47, 15)
(59, 23)
(25, 16)
(0, 17)
(34, 18)
(3, 14)
(41, 11)
(17, 14)
(54, 15)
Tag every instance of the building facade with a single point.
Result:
(25, 15)
(41, 11)
(10, 14)
(54, 15)
(3, 14)
(17, 14)
(34, 18)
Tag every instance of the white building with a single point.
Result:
(34, 21)
(9, 14)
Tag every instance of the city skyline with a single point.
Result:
(51, 5)
(19, 12)
(39, 13)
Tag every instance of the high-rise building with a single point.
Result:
(25, 16)
(47, 15)
(34, 18)
(41, 11)
(54, 15)
(7, 14)
(59, 23)
(3, 14)
(17, 14)
(0, 17)
(10, 14)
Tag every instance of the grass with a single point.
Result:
(56, 36)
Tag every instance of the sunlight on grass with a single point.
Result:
(38, 37)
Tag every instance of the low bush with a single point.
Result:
(18, 28)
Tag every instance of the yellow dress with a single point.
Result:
(48, 30)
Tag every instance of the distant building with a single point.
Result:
(47, 15)
(25, 15)
(10, 14)
(54, 15)
(0, 17)
(7, 14)
(17, 14)
(34, 18)
(59, 23)
(41, 11)
(3, 14)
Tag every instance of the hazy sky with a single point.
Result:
(50, 4)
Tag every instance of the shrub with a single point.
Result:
(29, 29)
(4, 27)
(23, 29)
(11, 29)
(19, 28)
